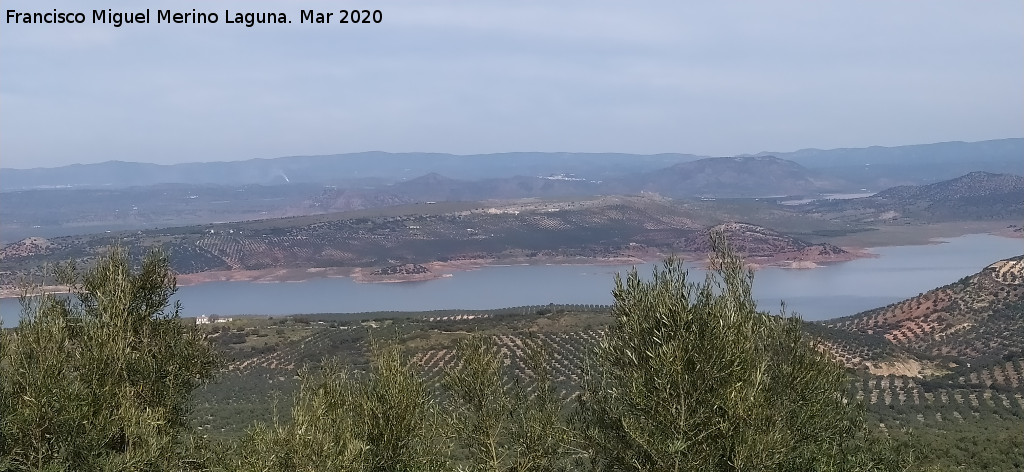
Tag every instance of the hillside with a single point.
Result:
(444, 237)
(759, 244)
(980, 316)
(947, 364)
(379, 229)
(27, 247)
(972, 185)
(975, 196)
(879, 167)
(756, 176)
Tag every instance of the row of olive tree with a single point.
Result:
(690, 376)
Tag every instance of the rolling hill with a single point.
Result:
(756, 176)
(605, 228)
(972, 185)
(975, 196)
(977, 317)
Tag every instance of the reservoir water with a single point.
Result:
(827, 292)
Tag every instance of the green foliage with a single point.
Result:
(690, 376)
(505, 426)
(967, 445)
(100, 380)
(344, 421)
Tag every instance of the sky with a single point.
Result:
(469, 77)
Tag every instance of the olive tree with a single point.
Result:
(101, 379)
(501, 421)
(692, 376)
(344, 420)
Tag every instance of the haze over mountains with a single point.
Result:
(882, 167)
(877, 167)
(117, 196)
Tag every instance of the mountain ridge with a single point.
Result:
(886, 166)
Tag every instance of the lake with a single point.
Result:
(827, 292)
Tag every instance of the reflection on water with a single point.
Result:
(827, 292)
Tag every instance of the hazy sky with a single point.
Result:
(715, 78)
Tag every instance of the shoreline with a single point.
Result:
(795, 260)
(439, 270)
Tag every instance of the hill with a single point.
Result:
(947, 364)
(977, 317)
(760, 244)
(447, 236)
(879, 167)
(63, 211)
(27, 247)
(975, 196)
(755, 176)
(972, 185)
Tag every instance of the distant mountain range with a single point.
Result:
(711, 177)
(872, 167)
(349, 170)
(724, 177)
(879, 167)
(57, 212)
(120, 195)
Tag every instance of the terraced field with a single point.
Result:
(900, 400)
(567, 352)
(969, 414)
(979, 316)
